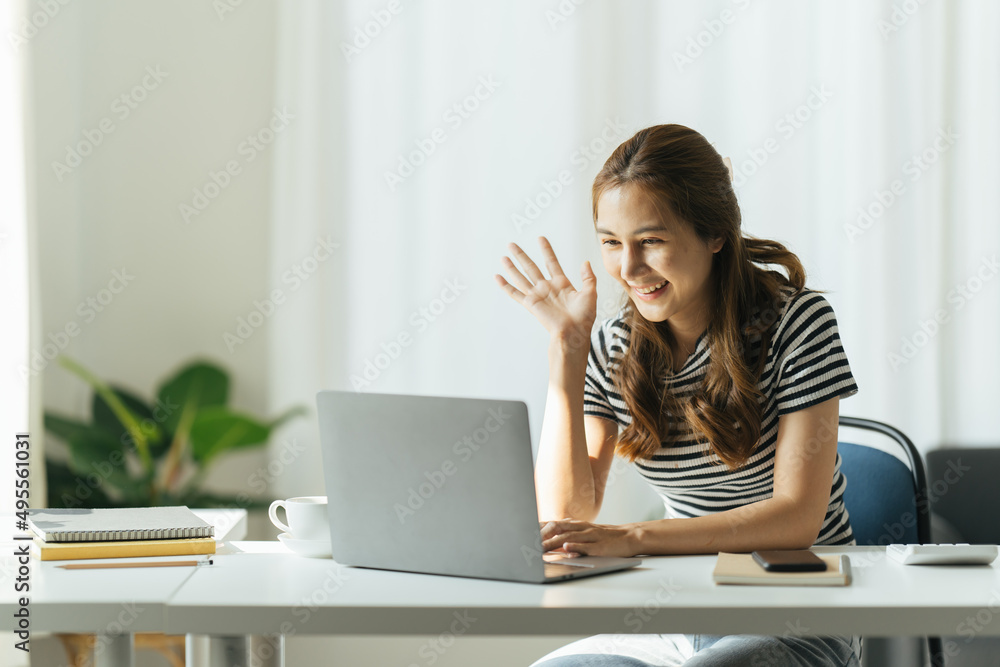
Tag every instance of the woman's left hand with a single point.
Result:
(582, 538)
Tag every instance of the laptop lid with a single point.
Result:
(430, 484)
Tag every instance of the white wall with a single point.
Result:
(119, 209)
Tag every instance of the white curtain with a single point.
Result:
(20, 410)
(20, 407)
(428, 135)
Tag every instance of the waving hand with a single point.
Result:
(561, 308)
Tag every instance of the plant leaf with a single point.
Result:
(63, 489)
(67, 428)
(93, 451)
(197, 385)
(105, 417)
(217, 429)
(123, 413)
(96, 468)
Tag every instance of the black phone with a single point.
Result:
(791, 560)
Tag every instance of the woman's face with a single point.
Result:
(641, 250)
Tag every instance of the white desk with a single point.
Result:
(265, 590)
(259, 588)
(113, 604)
(93, 601)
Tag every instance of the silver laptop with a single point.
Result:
(439, 486)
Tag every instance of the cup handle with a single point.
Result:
(272, 513)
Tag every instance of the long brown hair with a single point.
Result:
(685, 177)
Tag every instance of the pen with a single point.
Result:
(165, 563)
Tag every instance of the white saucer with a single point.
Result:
(308, 548)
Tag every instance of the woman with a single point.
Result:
(742, 446)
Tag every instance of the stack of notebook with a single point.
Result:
(65, 534)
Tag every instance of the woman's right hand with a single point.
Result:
(563, 310)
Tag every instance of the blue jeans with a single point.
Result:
(717, 651)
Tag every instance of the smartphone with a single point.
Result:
(792, 560)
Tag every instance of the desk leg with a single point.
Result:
(114, 650)
(196, 651)
(267, 651)
(203, 651)
(235, 651)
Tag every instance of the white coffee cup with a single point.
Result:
(306, 516)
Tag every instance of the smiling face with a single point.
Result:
(663, 265)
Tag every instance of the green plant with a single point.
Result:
(137, 453)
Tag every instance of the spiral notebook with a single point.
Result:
(117, 524)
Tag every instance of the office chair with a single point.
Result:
(886, 498)
(962, 486)
(962, 489)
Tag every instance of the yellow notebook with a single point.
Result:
(122, 549)
(743, 569)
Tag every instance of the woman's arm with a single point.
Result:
(574, 452)
(568, 468)
(805, 456)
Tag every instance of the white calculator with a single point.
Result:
(942, 554)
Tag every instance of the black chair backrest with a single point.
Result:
(964, 489)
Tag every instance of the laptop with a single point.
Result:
(438, 485)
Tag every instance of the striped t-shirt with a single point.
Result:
(805, 365)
